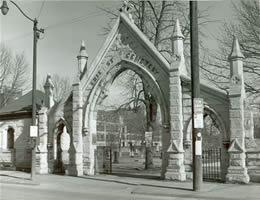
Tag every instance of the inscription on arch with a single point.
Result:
(127, 56)
(142, 61)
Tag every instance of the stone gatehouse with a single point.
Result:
(68, 129)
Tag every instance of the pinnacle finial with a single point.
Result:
(48, 82)
(82, 50)
(127, 6)
(177, 32)
(82, 45)
(236, 52)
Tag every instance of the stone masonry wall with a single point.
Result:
(187, 140)
(253, 165)
(21, 156)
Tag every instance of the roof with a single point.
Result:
(24, 103)
(147, 45)
(123, 19)
(208, 86)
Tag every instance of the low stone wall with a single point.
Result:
(253, 164)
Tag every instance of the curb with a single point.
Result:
(109, 180)
(20, 183)
(134, 183)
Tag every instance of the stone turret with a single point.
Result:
(236, 65)
(178, 39)
(177, 46)
(48, 88)
(82, 58)
(237, 170)
(175, 153)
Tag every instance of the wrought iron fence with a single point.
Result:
(211, 162)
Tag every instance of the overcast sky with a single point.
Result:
(66, 23)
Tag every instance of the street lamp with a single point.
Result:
(4, 8)
(36, 34)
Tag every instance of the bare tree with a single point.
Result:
(247, 30)
(13, 75)
(156, 19)
(62, 86)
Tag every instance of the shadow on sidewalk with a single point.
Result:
(16, 177)
(138, 180)
(143, 176)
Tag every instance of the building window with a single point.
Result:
(10, 138)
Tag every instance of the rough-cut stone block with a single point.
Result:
(176, 168)
(175, 110)
(175, 102)
(176, 176)
(236, 162)
(235, 113)
(176, 125)
(186, 102)
(41, 163)
(235, 103)
(237, 156)
(253, 155)
(187, 110)
(174, 81)
(174, 73)
(77, 125)
(237, 176)
(236, 123)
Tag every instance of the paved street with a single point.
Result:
(106, 187)
(67, 188)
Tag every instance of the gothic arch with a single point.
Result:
(98, 92)
(208, 111)
(101, 87)
(62, 121)
(55, 142)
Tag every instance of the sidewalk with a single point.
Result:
(16, 177)
(141, 186)
(183, 190)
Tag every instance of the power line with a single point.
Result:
(72, 21)
(19, 37)
(57, 25)
(40, 12)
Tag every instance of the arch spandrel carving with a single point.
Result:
(127, 48)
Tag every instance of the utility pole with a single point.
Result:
(197, 103)
(33, 129)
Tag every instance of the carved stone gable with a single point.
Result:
(128, 52)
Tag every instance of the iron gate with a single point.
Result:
(211, 162)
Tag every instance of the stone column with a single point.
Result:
(176, 168)
(237, 170)
(41, 151)
(75, 167)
